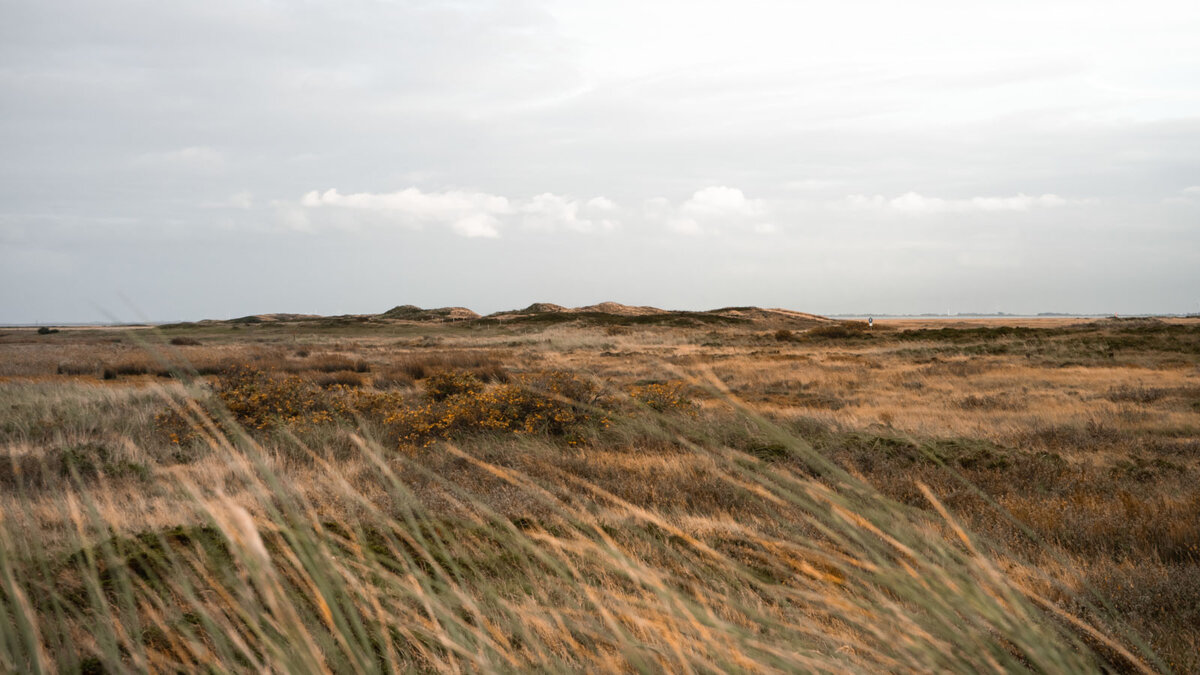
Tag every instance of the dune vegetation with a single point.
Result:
(591, 491)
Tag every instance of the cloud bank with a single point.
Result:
(469, 214)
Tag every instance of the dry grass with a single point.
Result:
(687, 533)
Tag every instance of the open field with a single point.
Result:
(599, 491)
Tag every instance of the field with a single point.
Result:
(601, 491)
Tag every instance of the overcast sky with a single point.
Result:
(210, 159)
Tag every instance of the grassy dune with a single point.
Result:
(601, 496)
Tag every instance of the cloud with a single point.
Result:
(915, 203)
(1188, 196)
(602, 204)
(722, 202)
(711, 210)
(550, 212)
(472, 214)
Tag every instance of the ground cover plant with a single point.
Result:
(601, 496)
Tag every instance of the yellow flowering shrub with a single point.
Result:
(556, 403)
(259, 400)
(454, 402)
(663, 396)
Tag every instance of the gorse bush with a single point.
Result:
(258, 401)
(454, 402)
(443, 385)
(555, 403)
(663, 396)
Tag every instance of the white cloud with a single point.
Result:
(915, 203)
(477, 225)
(710, 210)
(1191, 191)
(721, 201)
(471, 214)
(602, 204)
(550, 212)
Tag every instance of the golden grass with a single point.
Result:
(686, 537)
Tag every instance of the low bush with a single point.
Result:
(840, 330)
(442, 385)
(555, 403)
(663, 396)
(1128, 394)
(341, 378)
(76, 368)
(259, 400)
(485, 365)
(185, 342)
(392, 378)
(331, 363)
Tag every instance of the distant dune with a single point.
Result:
(603, 313)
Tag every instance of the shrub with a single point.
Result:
(555, 403)
(391, 378)
(74, 368)
(341, 378)
(784, 335)
(259, 400)
(990, 402)
(841, 330)
(129, 367)
(441, 386)
(1128, 394)
(485, 365)
(185, 342)
(663, 396)
(331, 363)
(46, 331)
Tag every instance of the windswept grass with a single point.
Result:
(586, 513)
(843, 579)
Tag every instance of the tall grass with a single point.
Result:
(425, 565)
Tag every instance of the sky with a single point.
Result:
(212, 159)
